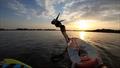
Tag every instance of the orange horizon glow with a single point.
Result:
(84, 24)
(91, 25)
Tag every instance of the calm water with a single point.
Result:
(35, 47)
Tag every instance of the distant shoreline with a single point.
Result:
(97, 30)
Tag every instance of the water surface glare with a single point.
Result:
(35, 47)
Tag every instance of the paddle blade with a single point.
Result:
(57, 16)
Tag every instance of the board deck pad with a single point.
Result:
(87, 47)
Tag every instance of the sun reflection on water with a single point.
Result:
(82, 35)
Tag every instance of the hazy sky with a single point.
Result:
(78, 14)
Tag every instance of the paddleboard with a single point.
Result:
(82, 54)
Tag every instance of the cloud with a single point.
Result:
(18, 7)
(21, 10)
(46, 8)
(105, 10)
(49, 6)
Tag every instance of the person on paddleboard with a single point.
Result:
(77, 55)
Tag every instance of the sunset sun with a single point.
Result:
(84, 24)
